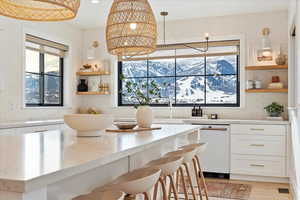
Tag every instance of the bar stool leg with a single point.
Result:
(170, 188)
(129, 197)
(183, 183)
(155, 191)
(172, 185)
(202, 177)
(163, 187)
(146, 196)
(190, 180)
(177, 180)
(197, 178)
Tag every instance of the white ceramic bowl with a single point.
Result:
(88, 125)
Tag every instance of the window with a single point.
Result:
(44, 72)
(210, 79)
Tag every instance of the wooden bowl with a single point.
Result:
(125, 125)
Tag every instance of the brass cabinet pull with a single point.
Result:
(257, 165)
(257, 145)
(257, 129)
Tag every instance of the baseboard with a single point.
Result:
(259, 178)
(294, 190)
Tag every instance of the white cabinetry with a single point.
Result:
(259, 150)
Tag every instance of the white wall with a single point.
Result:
(248, 27)
(294, 100)
(12, 66)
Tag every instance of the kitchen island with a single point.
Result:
(57, 165)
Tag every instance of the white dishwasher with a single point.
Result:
(216, 158)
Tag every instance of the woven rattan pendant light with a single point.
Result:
(131, 28)
(40, 10)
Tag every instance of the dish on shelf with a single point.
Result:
(125, 125)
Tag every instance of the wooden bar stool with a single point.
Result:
(169, 166)
(188, 155)
(104, 195)
(197, 166)
(139, 181)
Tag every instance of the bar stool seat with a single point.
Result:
(199, 146)
(197, 166)
(169, 166)
(139, 181)
(104, 195)
(188, 154)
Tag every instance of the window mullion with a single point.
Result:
(147, 78)
(42, 80)
(205, 71)
(175, 79)
(61, 78)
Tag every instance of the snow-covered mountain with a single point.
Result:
(220, 81)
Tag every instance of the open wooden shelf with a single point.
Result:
(267, 67)
(92, 74)
(266, 90)
(92, 93)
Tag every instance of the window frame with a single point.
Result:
(42, 82)
(238, 85)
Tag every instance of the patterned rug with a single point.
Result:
(224, 191)
(229, 190)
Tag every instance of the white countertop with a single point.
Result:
(211, 121)
(21, 124)
(32, 160)
(234, 121)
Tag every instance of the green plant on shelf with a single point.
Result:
(274, 109)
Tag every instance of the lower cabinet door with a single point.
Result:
(258, 165)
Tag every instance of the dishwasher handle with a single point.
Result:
(213, 129)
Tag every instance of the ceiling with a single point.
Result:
(94, 15)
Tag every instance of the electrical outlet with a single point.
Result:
(283, 190)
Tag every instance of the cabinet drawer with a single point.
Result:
(258, 165)
(258, 145)
(258, 129)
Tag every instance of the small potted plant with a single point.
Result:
(135, 93)
(274, 109)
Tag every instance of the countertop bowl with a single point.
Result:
(125, 125)
(88, 125)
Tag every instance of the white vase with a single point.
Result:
(144, 116)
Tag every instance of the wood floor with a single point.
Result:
(260, 190)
